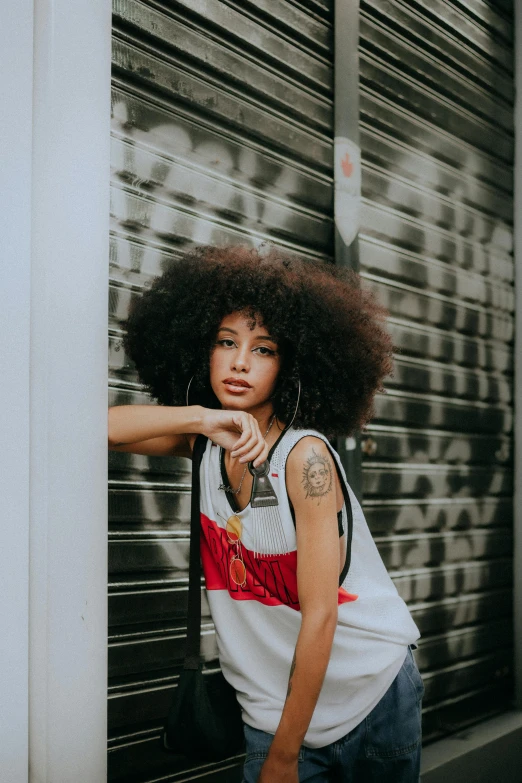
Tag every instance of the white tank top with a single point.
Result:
(257, 625)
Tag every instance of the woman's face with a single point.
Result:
(318, 476)
(244, 363)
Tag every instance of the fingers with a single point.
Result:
(250, 437)
(251, 446)
(257, 455)
(263, 456)
(259, 452)
(245, 422)
(255, 450)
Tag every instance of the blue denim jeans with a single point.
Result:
(385, 746)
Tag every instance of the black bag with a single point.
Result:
(204, 722)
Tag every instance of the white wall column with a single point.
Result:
(68, 412)
(16, 98)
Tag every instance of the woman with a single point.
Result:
(268, 356)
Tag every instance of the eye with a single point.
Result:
(227, 342)
(264, 351)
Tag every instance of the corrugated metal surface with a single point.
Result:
(222, 132)
(436, 86)
(222, 127)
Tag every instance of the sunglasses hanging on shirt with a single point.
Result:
(237, 568)
(267, 528)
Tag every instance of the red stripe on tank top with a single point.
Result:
(270, 579)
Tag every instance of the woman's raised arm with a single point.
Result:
(162, 430)
(158, 430)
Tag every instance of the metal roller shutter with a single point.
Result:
(436, 86)
(222, 128)
(222, 132)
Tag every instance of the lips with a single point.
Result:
(237, 383)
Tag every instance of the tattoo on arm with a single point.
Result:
(317, 476)
(292, 667)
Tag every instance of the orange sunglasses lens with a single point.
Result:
(234, 529)
(238, 571)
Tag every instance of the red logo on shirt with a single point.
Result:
(270, 579)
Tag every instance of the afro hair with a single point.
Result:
(331, 333)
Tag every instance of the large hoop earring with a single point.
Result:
(296, 405)
(188, 387)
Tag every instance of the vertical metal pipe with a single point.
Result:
(517, 505)
(347, 176)
(68, 391)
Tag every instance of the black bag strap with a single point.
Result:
(192, 652)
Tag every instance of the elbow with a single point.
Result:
(323, 620)
(111, 435)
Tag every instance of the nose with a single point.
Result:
(241, 360)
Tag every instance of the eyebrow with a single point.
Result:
(259, 337)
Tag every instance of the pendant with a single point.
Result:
(226, 488)
(262, 494)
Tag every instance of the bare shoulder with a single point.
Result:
(310, 472)
(305, 445)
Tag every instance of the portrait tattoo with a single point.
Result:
(317, 476)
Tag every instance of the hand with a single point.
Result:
(278, 771)
(237, 432)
